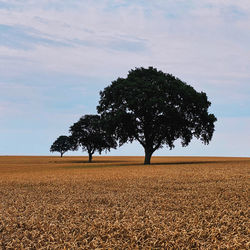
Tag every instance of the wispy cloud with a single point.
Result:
(186, 38)
(19, 37)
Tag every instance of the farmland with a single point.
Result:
(116, 202)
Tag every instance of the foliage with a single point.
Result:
(155, 109)
(90, 134)
(62, 144)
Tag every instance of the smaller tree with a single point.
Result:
(90, 133)
(62, 144)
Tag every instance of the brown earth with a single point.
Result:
(118, 203)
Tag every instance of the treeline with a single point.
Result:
(149, 106)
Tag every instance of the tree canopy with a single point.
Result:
(155, 108)
(62, 144)
(90, 134)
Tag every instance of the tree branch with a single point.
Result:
(140, 141)
(158, 144)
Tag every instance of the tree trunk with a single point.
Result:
(90, 157)
(147, 159)
(61, 154)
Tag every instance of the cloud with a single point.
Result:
(24, 38)
(193, 40)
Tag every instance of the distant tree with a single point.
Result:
(155, 109)
(62, 144)
(90, 134)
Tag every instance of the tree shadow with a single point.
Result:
(190, 162)
(198, 162)
(93, 161)
(104, 164)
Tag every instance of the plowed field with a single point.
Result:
(118, 203)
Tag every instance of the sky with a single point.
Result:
(57, 55)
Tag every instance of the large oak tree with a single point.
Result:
(155, 108)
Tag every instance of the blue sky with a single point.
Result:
(56, 55)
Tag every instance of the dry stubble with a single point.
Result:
(116, 202)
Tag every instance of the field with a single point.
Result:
(118, 203)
